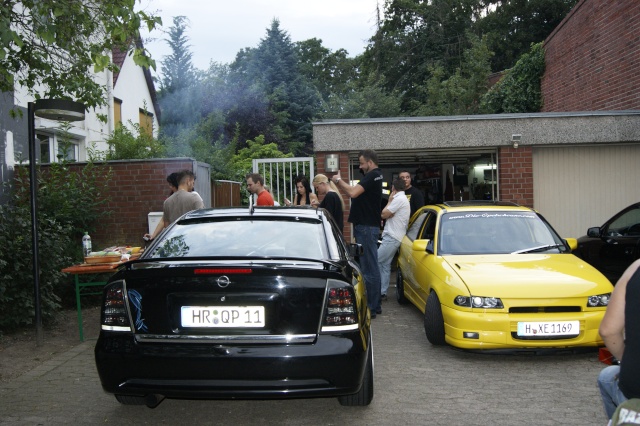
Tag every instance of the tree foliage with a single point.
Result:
(417, 41)
(180, 95)
(518, 90)
(49, 45)
(242, 162)
(125, 144)
(276, 92)
(512, 26)
(362, 100)
(458, 93)
(177, 68)
(415, 37)
(329, 72)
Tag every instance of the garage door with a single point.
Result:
(582, 186)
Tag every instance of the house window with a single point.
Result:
(117, 112)
(45, 148)
(53, 150)
(146, 122)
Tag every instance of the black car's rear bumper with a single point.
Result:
(334, 365)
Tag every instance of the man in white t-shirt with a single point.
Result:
(397, 213)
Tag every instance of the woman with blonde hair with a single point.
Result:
(332, 200)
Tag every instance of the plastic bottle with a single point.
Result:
(86, 244)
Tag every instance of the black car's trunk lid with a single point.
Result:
(242, 302)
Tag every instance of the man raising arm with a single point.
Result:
(366, 200)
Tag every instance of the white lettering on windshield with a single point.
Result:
(491, 215)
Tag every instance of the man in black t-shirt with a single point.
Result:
(366, 207)
(414, 195)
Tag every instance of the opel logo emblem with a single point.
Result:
(223, 281)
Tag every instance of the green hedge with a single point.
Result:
(68, 204)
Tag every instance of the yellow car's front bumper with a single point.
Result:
(498, 330)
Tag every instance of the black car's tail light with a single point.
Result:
(114, 309)
(340, 312)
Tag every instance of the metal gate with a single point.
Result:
(280, 174)
(203, 181)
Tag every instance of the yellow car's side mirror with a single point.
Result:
(421, 245)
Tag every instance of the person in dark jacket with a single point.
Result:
(332, 200)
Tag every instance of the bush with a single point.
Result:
(16, 267)
(519, 90)
(68, 204)
(125, 144)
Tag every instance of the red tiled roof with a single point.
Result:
(118, 58)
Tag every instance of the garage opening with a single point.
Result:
(441, 174)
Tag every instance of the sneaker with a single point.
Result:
(379, 311)
(383, 297)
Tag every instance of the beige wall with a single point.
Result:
(582, 186)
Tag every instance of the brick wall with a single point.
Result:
(593, 58)
(515, 167)
(136, 188)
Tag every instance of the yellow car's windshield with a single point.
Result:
(496, 232)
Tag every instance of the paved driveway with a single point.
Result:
(415, 384)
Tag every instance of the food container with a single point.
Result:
(102, 259)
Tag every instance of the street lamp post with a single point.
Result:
(53, 109)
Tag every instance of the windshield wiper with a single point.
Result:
(538, 248)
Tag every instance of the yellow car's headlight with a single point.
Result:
(599, 300)
(478, 302)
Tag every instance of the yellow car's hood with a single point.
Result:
(528, 275)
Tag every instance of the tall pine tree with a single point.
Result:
(272, 69)
(179, 97)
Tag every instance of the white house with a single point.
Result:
(131, 99)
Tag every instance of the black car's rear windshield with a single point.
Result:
(244, 237)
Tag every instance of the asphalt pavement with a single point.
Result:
(415, 384)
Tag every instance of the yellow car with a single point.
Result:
(496, 276)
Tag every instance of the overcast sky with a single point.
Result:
(220, 28)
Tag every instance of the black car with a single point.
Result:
(255, 303)
(612, 247)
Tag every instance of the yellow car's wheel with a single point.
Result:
(433, 321)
